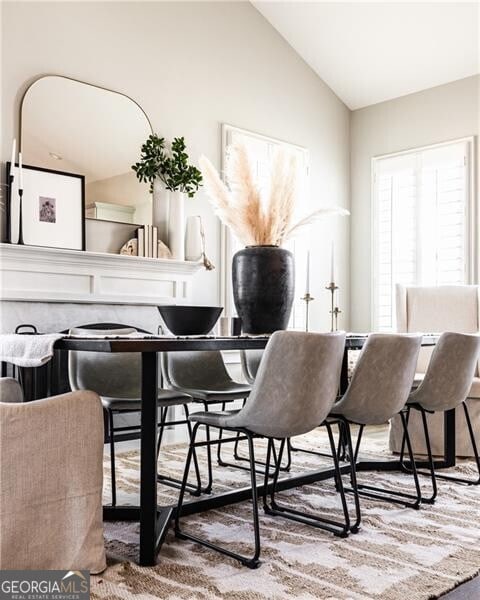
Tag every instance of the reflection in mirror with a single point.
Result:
(71, 126)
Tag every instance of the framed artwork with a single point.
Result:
(53, 208)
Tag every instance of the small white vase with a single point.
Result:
(160, 210)
(176, 225)
(193, 239)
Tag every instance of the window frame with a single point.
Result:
(226, 237)
(472, 216)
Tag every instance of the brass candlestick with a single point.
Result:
(336, 312)
(334, 309)
(307, 299)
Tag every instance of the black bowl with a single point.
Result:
(190, 320)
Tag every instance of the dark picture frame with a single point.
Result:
(53, 208)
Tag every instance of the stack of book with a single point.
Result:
(147, 237)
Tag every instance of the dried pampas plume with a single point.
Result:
(240, 207)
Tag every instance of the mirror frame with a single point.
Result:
(99, 87)
(94, 85)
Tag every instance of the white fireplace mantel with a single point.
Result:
(32, 273)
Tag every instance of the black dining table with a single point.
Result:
(154, 519)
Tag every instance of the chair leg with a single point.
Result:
(112, 457)
(198, 490)
(194, 490)
(339, 529)
(287, 466)
(431, 467)
(183, 487)
(219, 447)
(292, 448)
(277, 460)
(358, 442)
(403, 467)
(408, 469)
(342, 446)
(161, 427)
(474, 443)
(208, 488)
(236, 456)
(235, 448)
(338, 474)
(267, 473)
(379, 493)
(443, 476)
(223, 463)
(239, 458)
(252, 562)
(416, 504)
(353, 474)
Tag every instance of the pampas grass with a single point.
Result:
(254, 220)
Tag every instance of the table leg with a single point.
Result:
(449, 433)
(344, 373)
(148, 460)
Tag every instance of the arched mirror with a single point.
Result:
(76, 127)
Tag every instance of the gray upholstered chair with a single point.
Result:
(438, 309)
(10, 390)
(117, 379)
(446, 386)
(250, 361)
(378, 390)
(51, 479)
(293, 393)
(204, 377)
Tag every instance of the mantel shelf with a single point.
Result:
(35, 273)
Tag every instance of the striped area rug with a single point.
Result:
(399, 553)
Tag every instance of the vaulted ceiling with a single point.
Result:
(368, 52)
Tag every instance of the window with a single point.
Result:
(261, 150)
(422, 222)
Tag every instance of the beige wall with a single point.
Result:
(435, 115)
(193, 66)
(122, 189)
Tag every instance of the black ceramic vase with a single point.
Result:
(263, 288)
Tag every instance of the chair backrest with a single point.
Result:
(250, 360)
(296, 384)
(382, 379)
(111, 375)
(10, 390)
(194, 370)
(436, 310)
(450, 373)
(51, 475)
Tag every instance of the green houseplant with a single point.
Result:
(171, 168)
(171, 178)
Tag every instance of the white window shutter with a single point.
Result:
(421, 223)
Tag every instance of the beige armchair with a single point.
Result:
(436, 310)
(51, 475)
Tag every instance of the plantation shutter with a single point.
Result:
(421, 223)
(396, 233)
(444, 196)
